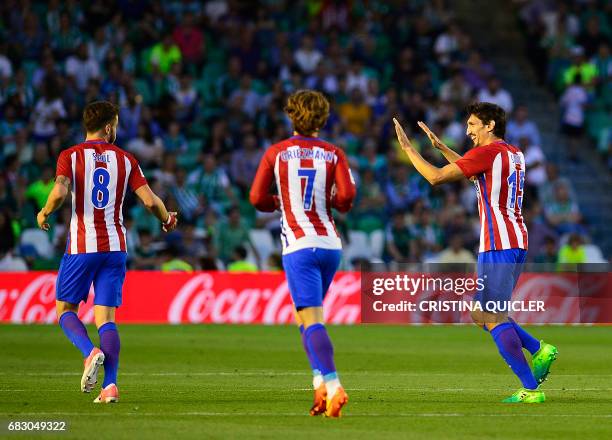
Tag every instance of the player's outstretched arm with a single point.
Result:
(156, 207)
(54, 201)
(433, 174)
(446, 151)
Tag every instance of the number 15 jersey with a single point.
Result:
(312, 176)
(499, 176)
(99, 173)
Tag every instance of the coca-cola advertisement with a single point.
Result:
(177, 298)
(263, 298)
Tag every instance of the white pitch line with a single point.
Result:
(279, 414)
(273, 373)
(267, 390)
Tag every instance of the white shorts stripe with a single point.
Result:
(109, 211)
(511, 213)
(91, 241)
(496, 182)
(74, 249)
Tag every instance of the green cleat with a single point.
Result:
(526, 396)
(542, 360)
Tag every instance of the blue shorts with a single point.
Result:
(500, 271)
(106, 270)
(309, 273)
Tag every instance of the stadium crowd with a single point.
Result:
(569, 42)
(202, 88)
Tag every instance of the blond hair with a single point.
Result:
(308, 111)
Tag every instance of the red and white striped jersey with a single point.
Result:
(100, 173)
(305, 170)
(499, 172)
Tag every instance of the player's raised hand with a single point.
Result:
(41, 219)
(435, 141)
(170, 224)
(401, 136)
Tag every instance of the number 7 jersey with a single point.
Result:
(99, 173)
(498, 170)
(312, 176)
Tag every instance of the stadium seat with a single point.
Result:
(358, 246)
(39, 240)
(594, 254)
(377, 243)
(263, 242)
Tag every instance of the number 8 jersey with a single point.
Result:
(498, 170)
(100, 173)
(312, 176)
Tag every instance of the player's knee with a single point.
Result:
(62, 307)
(477, 318)
(103, 314)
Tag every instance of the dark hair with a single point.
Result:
(99, 113)
(308, 111)
(487, 112)
(241, 252)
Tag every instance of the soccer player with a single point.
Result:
(498, 172)
(312, 176)
(97, 173)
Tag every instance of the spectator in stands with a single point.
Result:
(521, 126)
(147, 148)
(213, 183)
(244, 163)
(239, 262)
(563, 214)
(495, 94)
(573, 103)
(307, 56)
(145, 255)
(399, 192)
(355, 114)
(368, 209)
(547, 255)
(48, 110)
(191, 204)
(455, 252)
(190, 40)
(399, 242)
(39, 190)
(456, 90)
(175, 141)
(476, 71)
(539, 230)
(165, 54)
(573, 252)
(591, 37)
(81, 68)
(233, 233)
(547, 190)
(173, 260)
(535, 166)
(581, 71)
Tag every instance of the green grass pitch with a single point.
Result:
(434, 382)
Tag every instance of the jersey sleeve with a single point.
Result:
(345, 184)
(260, 196)
(136, 178)
(64, 165)
(476, 161)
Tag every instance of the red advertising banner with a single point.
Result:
(177, 298)
(263, 298)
